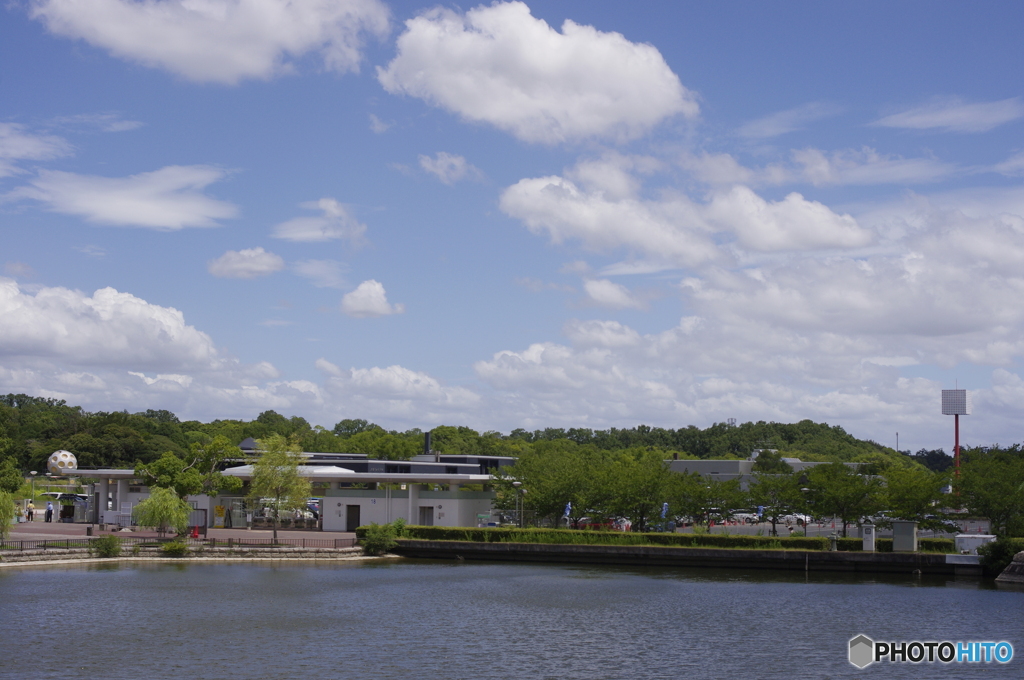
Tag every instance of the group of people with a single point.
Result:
(30, 512)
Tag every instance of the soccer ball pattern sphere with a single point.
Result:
(60, 462)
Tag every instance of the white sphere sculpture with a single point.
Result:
(61, 461)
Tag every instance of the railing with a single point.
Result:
(65, 543)
(282, 542)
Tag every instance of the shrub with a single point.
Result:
(106, 546)
(589, 537)
(174, 549)
(378, 539)
(995, 556)
(399, 525)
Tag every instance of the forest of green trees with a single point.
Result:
(615, 472)
(31, 428)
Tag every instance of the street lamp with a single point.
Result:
(33, 473)
(807, 512)
(519, 502)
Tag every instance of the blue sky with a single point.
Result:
(510, 215)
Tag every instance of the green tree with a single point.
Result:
(11, 478)
(916, 494)
(992, 485)
(779, 495)
(198, 472)
(771, 462)
(552, 475)
(703, 500)
(8, 512)
(635, 485)
(163, 509)
(349, 427)
(836, 490)
(276, 482)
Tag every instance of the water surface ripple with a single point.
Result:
(477, 620)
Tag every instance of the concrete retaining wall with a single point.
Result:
(796, 560)
(150, 552)
(1014, 572)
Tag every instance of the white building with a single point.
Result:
(423, 492)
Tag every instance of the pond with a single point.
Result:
(417, 619)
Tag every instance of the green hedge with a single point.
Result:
(574, 537)
(584, 537)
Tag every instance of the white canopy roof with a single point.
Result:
(322, 473)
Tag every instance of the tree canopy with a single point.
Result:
(276, 482)
(31, 428)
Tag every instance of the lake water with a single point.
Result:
(479, 620)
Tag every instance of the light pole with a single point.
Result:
(33, 473)
(519, 502)
(807, 512)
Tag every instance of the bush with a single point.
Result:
(399, 525)
(378, 539)
(175, 549)
(106, 546)
(995, 556)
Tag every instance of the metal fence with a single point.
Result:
(192, 542)
(282, 542)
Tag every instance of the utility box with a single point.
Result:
(968, 544)
(867, 532)
(904, 536)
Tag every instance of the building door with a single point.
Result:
(426, 515)
(351, 517)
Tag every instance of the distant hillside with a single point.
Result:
(32, 427)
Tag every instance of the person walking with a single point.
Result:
(30, 511)
(49, 511)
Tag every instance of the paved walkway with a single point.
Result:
(42, 531)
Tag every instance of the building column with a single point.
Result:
(104, 487)
(454, 488)
(414, 503)
(122, 493)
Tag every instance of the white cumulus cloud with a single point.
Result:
(170, 198)
(668, 231)
(498, 64)
(794, 223)
(221, 41)
(105, 328)
(335, 223)
(245, 264)
(607, 212)
(397, 393)
(369, 299)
